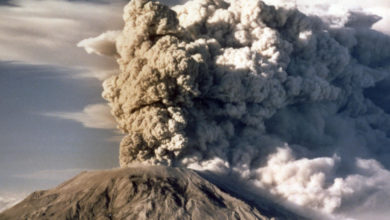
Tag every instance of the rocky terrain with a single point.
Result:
(147, 192)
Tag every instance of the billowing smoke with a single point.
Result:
(284, 99)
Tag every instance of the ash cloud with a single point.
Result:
(266, 92)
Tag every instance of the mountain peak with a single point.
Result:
(142, 192)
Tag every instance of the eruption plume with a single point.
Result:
(284, 99)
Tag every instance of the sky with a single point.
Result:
(53, 121)
(50, 88)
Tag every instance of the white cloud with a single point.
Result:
(312, 183)
(377, 7)
(103, 44)
(340, 8)
(93, 116)
(99, 74)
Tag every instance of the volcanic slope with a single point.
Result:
(144, 192)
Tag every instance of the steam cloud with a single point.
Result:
(268, 92)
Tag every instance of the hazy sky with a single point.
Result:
(54, 122)
(44, 77)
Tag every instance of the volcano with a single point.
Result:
(141, 192)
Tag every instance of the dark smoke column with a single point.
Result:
(156, 78)
(197, 84)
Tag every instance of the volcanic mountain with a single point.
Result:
(142, 192)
